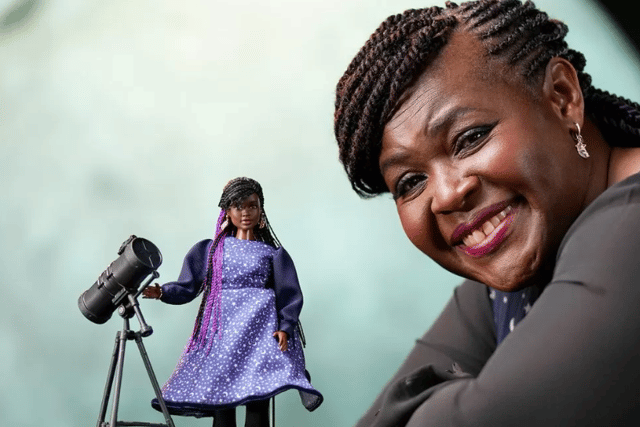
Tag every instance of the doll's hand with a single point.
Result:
(281, 336)
(152, 292)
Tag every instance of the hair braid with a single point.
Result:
(368, 95)
(410, 63)
(209, 306)
(370, 65)
(488, 12)
(617, 118)
(403, 46)
(508, 17)
(363, 63)
(379, 36)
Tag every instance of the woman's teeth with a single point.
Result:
(478, 235)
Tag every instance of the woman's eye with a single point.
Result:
(409, 184)
(471, 138)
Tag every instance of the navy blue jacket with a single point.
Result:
(284, 281)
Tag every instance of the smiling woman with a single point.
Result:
(510, 169)
(456, 130)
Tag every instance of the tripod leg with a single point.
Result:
(154, 381)
(109, 383)
(122, 337)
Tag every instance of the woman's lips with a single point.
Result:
(488, 235)
(477, 220)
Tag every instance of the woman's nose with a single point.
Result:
(451, 192)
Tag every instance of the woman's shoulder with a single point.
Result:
(624, 162)
(606, 232)
(623, 193)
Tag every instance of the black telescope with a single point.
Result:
(118, 287)
(138, 258)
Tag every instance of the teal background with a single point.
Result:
(128, 117)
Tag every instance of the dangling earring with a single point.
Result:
(580, 145)
(263, 223)
(225, 223)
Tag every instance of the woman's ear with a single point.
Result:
(561, 88)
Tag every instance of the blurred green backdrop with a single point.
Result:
(128, 117)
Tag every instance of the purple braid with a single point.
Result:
(210, 307)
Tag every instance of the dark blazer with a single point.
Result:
(573, 360)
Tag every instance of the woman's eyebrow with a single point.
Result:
(396, 158)
(435, 126)
(444, 120)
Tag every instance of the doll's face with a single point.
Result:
(246, 214)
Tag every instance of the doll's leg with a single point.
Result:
(225, 418)
(257, 414)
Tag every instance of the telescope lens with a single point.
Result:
(146, 253)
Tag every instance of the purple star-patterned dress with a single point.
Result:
(242, 362)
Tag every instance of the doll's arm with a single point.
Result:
(194, 267)
(287, 289)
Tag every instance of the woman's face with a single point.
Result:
(485, 176)
(246, 215)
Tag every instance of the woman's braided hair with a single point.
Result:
(403, 46)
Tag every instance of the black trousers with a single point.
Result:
(257, 415)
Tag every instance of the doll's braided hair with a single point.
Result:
(234, 194)
(404, 45)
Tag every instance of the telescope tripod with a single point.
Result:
(117, 365)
